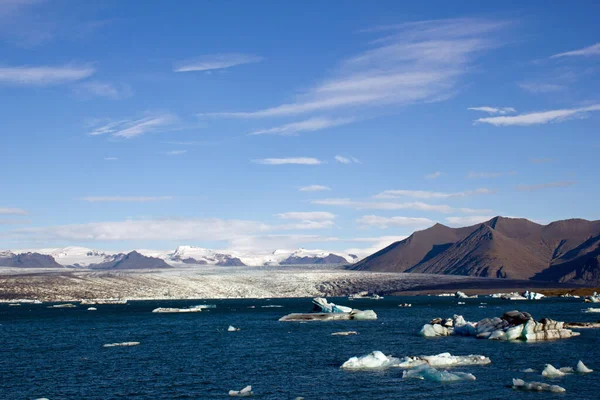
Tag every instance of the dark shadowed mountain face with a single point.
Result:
(28, 260)
(502, 248)
(329, 259)
(133, 260)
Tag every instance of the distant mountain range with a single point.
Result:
(562, 251)
(81, 257)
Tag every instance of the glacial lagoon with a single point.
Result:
(59, 353)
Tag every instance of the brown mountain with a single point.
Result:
(513, 248)
(133, 260)
(28, 260)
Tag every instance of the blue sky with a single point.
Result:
(263, 125)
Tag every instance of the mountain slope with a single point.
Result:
(27, 260)
(132, 260)
(502, 247)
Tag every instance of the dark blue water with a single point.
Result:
(58, 353)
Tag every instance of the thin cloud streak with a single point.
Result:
(307, 216)
(483, 175)
(12, 211)
(494, 110)
(418, 206)
(43, 76)
(103, 89)
(216, 61)
(423, 194)
(314, 188)
(289, 161)
(541, 186)
(125, 199)
(130, 128)
(538, 118)
(176, 152)
(386, 222)
(468, 220)
(309, 125)
(433, 175)
(593, 50)
(347, 160)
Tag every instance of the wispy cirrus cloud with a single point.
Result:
(346, 160)
(542, 186)
(414, 62)
(541, 87)
(216, 61)
(538, 118)
(468, 220)
(307, 215)
(314, 188)
(130, 128)
(415, 205)
(425, 194)
(593, 50)
(12, 211)
(103, 89)
(433, 175)
(176, 152)
(110, 158)
(386, 222)
(43, 75)
(125, 199)
(485, 175)
(289, 160)
(494, 110)
(309, 125)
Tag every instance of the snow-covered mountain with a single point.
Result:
(191, 255)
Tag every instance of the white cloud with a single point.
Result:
(307, 216)
(385, 222)
(129, 128)
(476, 175)
(541, 186)
(291, 160)
(419, 206)
(128, 199)
(540, 87)
(494, 110)
(314, 188)
(378, 243)
(593, 50)
(176, 152)
(216, 61)
(542, 117)
(14, 221)
(433, 175)
(12, 211)
(347, 160)
(103, 89)
(309, 125)
(43, 76)
(424, 194)
(468, 220)
(419, 62)
(110, 158)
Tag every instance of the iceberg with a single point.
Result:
(551, 372)
(178, 310)
(247, 391)
(429, 373)
(536, 386)
(92, 309)
(434, 330)
(593, 298)
(123, 344)
(232, 328)
(67, 305)
(443, 360)
(462, 295)
(348, 333)
(592, 310)
(533, 295)
(323, 306)
(529, 370)
(374, 360)
(582, 369)
(331, 312)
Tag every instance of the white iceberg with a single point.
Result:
(348, 333)
(434, 330)
(444, 360)
(323, 306)
(122, 344)
(429, 373)
(92, 309)
(247, 391)
(533, 295)
(232, 328)
(592, 310)
(374, 360)
(529, 370)
(582, 369)
(366, 315)
(551, 372)
(520, 384)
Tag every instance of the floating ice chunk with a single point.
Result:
(592, 310)
(232, 328)
(461, 303)
(374, 360)
(434, 330)
(536, 386)
(529, 370)
(444, 360)
(272, 306)
(366, 315)
(123, 344)
(551, 372)
(533, 295)
(247, 391)
(582, 369)
(348, 333)
(514, 333)
(429, 373)
(322, 305)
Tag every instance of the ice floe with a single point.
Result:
(551, 372)
(593, 298)
(232, 328)
(330, 312)
(245, 392)
(429, 373)
(323, 306)
(92, 309)
(533, 295)
(67, 305)
(365, 295)
(405, 305)
(514, 325)
(123, 344)
(374, 360)
(178, 310)
(443, 360)
(582, 369)
(529, 370)
(592, 310)
(347, 333)
(520, 384)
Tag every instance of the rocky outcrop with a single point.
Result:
(27, 260)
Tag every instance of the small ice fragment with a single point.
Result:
(566, 370)
(582, 369)
(551, 372)
(247, 391)
(374, 360)
(461, 303)
(232, 328)
(536, 386)
(429, 373)
(434, 330)
(365, 315)
(123, 344)
(529, 370)
(92, 309)
(348, 333)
